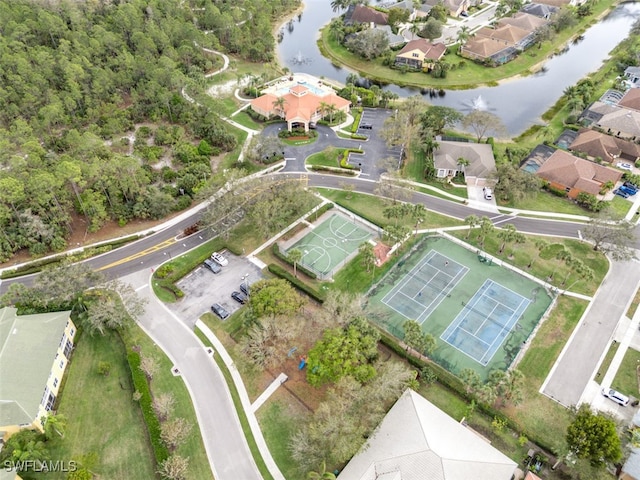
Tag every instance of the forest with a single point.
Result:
(92, 121)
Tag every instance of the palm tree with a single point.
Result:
(473, 222)
(463, 35)
(415, 29)
(462, 163)
(486, 227)
(278, 105)
(418, 214)
(331, 110)
(294, 255)
(321, 474)
(323, 107)
(54, 425)
(507, 234)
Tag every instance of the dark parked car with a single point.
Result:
(239, 297)
(366, 126)
(628, 190)
(219, 311)
(244, 288)
(620, 193)
(213, 266)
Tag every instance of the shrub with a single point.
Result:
(296, 282)
(285, 258)
(146, 405)
(339, 171)
(325, 208)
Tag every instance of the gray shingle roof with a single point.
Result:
(417, 441)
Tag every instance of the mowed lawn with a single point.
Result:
(102, 417)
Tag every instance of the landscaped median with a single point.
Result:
(335, 160)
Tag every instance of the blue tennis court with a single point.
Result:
(485, 321)
(425, 286)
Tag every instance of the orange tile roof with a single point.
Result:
(631, 99)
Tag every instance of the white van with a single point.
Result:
(616, 396)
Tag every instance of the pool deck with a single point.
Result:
(283, 84)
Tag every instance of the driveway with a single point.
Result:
(203, 287)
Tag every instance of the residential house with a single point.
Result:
(502, 43)
(632, 74)
(631, 99)
(420, 54)
(597, 145)
(417, 440)
(574, 175)
(395, 40)
(479, 156)
(455, 7)
(363, 14)
(539, 10)
(33, 359)
(299, 102)
(613, 119)
(536, 158)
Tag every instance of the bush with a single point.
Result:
(146, 405)
(556, 191)
(325, 208)
(278, 271)
(339, 171)
(285, 258)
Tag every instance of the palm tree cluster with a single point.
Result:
(578, 96)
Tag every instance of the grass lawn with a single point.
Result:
(604, 366)
(326, 158)
(544, 264)
(620, 206)
(102, 417)
(626, 380)
(543, 201)
(634, 305)
(414, 170)
(370, 208)
(164, 382)
(540, 416)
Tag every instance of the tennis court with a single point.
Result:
(485, 321)
(480, 313)
(330, 243)
(425, 286)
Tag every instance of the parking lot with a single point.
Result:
(375, 148)
(202, 288)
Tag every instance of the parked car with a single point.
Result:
(366, 126)
(488, 193)
(631, 185)
(620, 193)
(239, 297)
(219, 311)
(213, 266)
(244, 288)
(624, 166)
(616, 396)
(628, 191)
(219, 259)
(464, 13)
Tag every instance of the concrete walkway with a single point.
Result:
(222, 435)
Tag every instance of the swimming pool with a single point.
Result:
(312, 88)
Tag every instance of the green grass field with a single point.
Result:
(626, 380)
(102, 417)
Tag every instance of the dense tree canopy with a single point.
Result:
(594, 437)
(75, 80)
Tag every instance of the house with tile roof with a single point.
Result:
(597, 145)
(503, 42)
(365, 14)
(539, 10)
(481, 162)
(416, 441)
(420, 54)
(631, 99)
(455, 7)
(33, 359)
(300, 100)
(574, 175)
(613, 119)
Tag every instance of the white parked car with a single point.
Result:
(616, 396)
(624, 166)
(219, 259)
(488, 193)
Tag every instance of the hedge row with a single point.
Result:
(457, 387)
(339, 171)
(344, 161)
(296, 282)
(146, 405)
(325, 208)
(285, 258)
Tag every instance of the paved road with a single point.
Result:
(223, 438)
(579, 359)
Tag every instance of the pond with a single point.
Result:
(519, 102)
